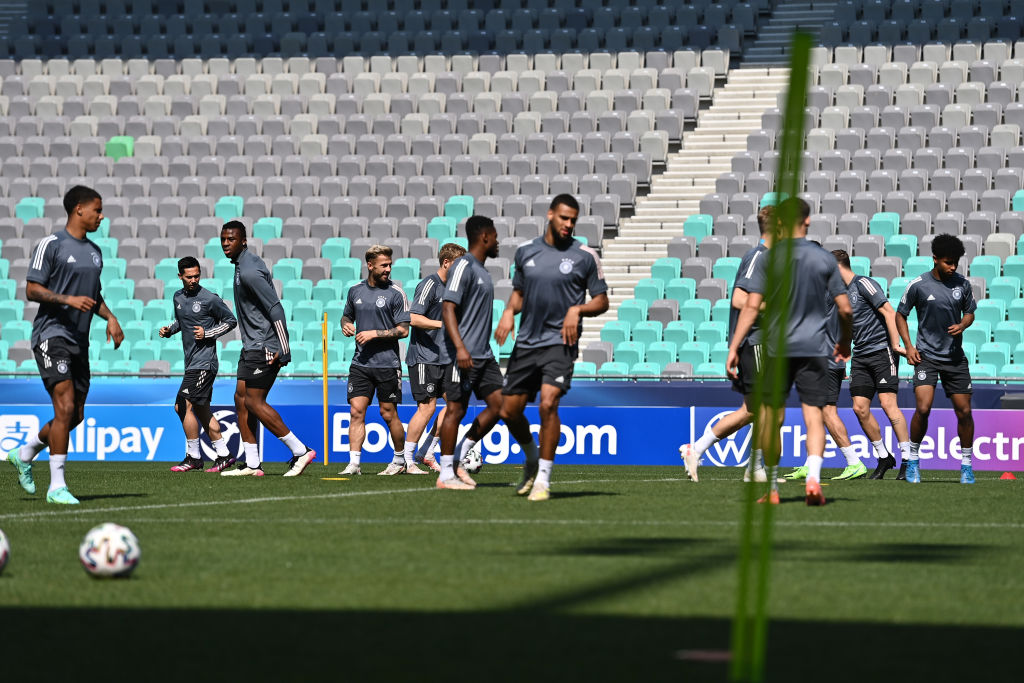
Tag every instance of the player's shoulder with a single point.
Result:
(866, 283)
(586, 250)
(396, 290)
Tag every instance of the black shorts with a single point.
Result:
(483, 379)
(875, 372)
(60, 359)
(750, 365)
(810, 374)
(426, 381)
(955, 375)
(255, 370)
(197, 386)
(386, 382)
(528, 369)
(834, 382)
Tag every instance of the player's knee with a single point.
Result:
(963, 413)
(548, 408)
(387, 412)
(861, 411)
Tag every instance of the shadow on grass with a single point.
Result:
(565, 495)
(106, 496)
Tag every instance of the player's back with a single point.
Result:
(814, 281)
(471, 289)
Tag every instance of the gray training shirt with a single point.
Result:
(202, 309)
(551, 280)
(749, 278)
(376, 308)
(261, 320)
(815, 276)
(939, 304)
(69, 266)
(869, 331)
(427, 347)
(471, 290)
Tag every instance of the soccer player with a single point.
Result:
(377, 315)
(553, 274)
(265, 351)
(64, 277)
(876, 352)
(201, 316)
(749, 361)
(427, 355)
(466, 311)
(814, 274)
(945, 308)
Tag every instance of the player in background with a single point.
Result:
(265, 351)
(750, 353)
(945, 308)
(466, 311)
(553, 274)
(807, 349)
(874, 368)
(201, 316)
(377, 315)
(427, 356)
(64, 278)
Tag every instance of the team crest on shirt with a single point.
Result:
(96, 259)
(957, 293)
(196, 307)
(381, 301)
(565, 267)
(62, 367)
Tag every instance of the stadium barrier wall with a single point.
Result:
(603, 423)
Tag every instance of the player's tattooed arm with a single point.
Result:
(397, 332)
(348, 327)
(40, 294)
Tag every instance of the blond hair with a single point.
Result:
(377, 250)
(450, 252)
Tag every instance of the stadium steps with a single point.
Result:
(773, 39)
(690, 173)
(8, 11)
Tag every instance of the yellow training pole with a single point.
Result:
(323, 339)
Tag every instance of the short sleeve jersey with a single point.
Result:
(470, 288)
(70, 266)
(255, 298)
(749, 278)
(376, 308)
(427, 347)
(201, 309)
(939, 304)
(551, 281)
(869, 330)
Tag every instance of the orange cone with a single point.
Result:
(1008, 476)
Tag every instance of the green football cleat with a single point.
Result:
(851, 472)
(24, 471)
(797, 474)
(61, 496)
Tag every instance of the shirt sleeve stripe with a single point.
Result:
(426, 291)
(455, 279)
(282, 337)
(750, 268)
(37, 260)
(405, 299)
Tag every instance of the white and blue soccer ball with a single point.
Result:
(109, 550)
(472, 462)
(5, 551)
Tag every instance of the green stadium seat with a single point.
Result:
(326, 291)
(996, 353)
(108, 247)
(346, 269)
(613, 369)
(138, 330)
(212, 250)
(901, 246)
(1015, 370)
(458, 206)
(28, 368)
(405, 269)
(229, 207)
(678, 332)
(978, 333)
(497, 308)
(719, 353)
(8, 367)
(121, 288)
(1010, 332)
(630, 352)
(915, 266)
(698, 226)
(287, 306)
(709, 369)
(1013, 266)
(297, 290)
(970, 350)
(885, 223)
(986, 266)
(696, 311)
(720, 311)
(616, 331)
(127, 310)
(992, 311)
(725, 268)
(307, 311)
(267, 228)
(861, 265)
(224, 270)
(146, 350)
(11, 310)
(217, 287)
(464, 243)
(1017, 203)
(309, 367)
(1006, 288)
(905, 371)
(1015, 311)
(167, 270)
(347, 348)
(772, 199)
(694, 353)
(681, 289)
(113, 268)
(661, 353)
(409, 287)
(29, 208)
(336, 247)
(125, 366)
(120, 146)
(711, 332)
(338, 369)
(647, 332)
(106, 351)
(505, 350)
(99, 367)
(288, 269)
(649, 290)
(633, 311)
(8, 289)
(335, 310)
(158, 312)
(896, 289)
(5, 266)
(582, 368)
(646, 370)
(666, 269)
(4, 346)
(982, 373)
(302, 352)
(442, 228)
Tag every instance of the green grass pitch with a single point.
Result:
(627, 574)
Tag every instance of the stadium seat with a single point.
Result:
(647, 332)
(613, 369)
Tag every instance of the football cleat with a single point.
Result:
(813, 491)
(884, 465)
(902, 474)
(464, 477)
(772, 498)
(797, 474)
(966, 474)
(188, 464)
(298, 463)
(690, 460)
(351, 469)
(453, 484)
(244, 470)
(221, 464)
(61, 496)
(851, 472)
(759, 476)
(413, 468)
(539, 492)
(391, 470)
(431, 462)
(529, 475)
(24, 471)
(914, 472)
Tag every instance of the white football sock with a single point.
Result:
(544, 473)
(435, 445)
(758, 459)
(252, 455)
(294, 445)
(965, 456)
(57, 471)
(850, 455)
(399, 457)
(192, 448)
(706, 441)
(530, 451)
(221, 447)
(447, 472)
(353, 457)
(814, 467)
(30, 450)
(880, 450)
(464, 447)
(904, 451)
(915, 450)
(409, 454)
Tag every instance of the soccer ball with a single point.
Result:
(472, 462)
(5, 551)
(109, 550)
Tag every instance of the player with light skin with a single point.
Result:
(201, 316)
(554, 273)
(64, 278)
(945, 308)
(377, 315)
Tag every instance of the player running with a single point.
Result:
(945, 308)
(265, 351)
(466, 312)
(377, 315)
(750, 352)
(807, 348)
(64, 278)
(201, 316)
(553, 274)
(427, 356)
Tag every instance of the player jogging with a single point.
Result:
(64, 277)
(807, 349)
(201, 316)
(467, 311)
(553, 274)
(750, 351)
(265, 351)
(945, 308)
(377, 315)
(427, 355)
